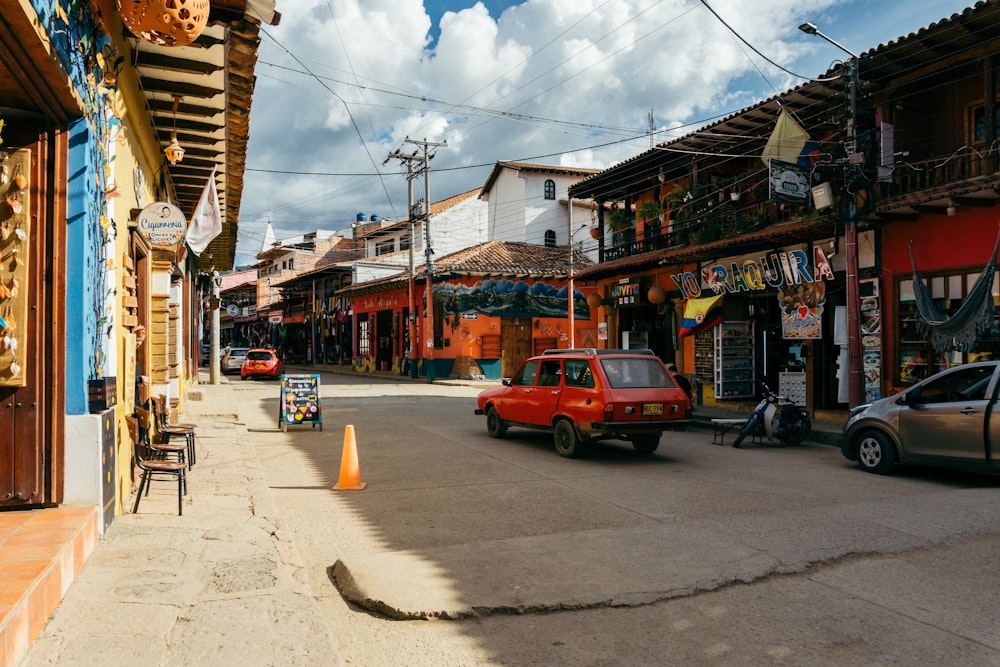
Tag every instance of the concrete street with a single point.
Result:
(465, 550)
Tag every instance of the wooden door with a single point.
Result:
(515, 340)
(31, 392)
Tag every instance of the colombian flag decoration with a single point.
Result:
(701, 314)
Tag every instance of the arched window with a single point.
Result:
(550, 238)
(550, 189)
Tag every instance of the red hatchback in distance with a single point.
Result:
(588, 394)
(261, 362)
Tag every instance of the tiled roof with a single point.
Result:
(510, 258)
(494, 258)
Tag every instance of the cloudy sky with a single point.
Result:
(341, 84)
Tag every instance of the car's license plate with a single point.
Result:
(652, 409)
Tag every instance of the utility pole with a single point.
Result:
(855, 377)
(428, 251)
(411, 318)
(572, 315)
(213, 348)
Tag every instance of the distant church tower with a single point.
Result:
(269, 238)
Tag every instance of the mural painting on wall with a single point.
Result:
(508, 298)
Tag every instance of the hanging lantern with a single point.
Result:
(656, 295)
(594, 300)
(174, 151)
(165, 22)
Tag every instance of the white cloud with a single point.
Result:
(553, 81)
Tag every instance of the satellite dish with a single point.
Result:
(233, 310)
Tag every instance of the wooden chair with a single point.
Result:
(150, 466)
(165, 448)
(168, 430)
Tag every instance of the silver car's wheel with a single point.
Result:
(567, 440)
(875, 452)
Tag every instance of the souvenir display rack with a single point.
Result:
(15, 237)
(734, 360)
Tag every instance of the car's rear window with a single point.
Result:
(259, 356)
(636, 373)
(238, 352)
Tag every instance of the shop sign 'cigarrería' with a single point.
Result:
(162, 224)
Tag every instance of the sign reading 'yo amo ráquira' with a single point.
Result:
(752, 273)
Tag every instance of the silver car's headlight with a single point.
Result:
(858, 410)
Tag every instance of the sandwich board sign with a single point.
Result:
(300, 402)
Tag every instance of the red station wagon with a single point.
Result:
(589, 394)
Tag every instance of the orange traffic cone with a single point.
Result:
(350, 474)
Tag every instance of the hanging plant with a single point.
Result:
(619, 220)
(650, 211)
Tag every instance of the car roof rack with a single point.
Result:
(593, 351)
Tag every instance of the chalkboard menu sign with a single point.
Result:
(300, 403)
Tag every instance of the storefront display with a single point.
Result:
(734, 360)
(916, 357)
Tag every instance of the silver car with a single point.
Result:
(232, 360)
(949, 418)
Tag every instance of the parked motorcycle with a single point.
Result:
(777, 418)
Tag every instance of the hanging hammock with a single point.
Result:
(975, 316)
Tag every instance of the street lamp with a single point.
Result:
(855, 382)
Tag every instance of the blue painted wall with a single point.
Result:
(81, 274)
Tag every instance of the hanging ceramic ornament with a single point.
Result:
(656, 294)
(165, 22)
